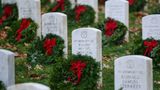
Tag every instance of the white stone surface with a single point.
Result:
(56, 23)
(92, 3)
(151, 27)
(73, 2)
(28, 86)
(88, 41)
(7, 67)
(133, 72)
(8, 1)
(119, 10)
(30, 9)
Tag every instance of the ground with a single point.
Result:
(26, 73)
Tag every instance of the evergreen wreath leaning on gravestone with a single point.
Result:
(150, 48)
(8, 15)
(82, 15)
(2, 87)
(136, 5)
(60, 6)
(76, 73)
(46, 50)
(113, 31)
(22, 31)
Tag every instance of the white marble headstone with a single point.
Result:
(133, 72)
(73, 2)
(118, 10)
(30, 9)
(151, 27)
(7, 67)
(92, 3)
(28, 86)
(8, 1)
(88, 41)
(56, 23)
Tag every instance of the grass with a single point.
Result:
(41, 73)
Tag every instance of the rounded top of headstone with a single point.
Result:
(118, 1)
(134, 57)
(150, 16)
(7, 52)
(55, 13)
(28, 86)
(80, 29)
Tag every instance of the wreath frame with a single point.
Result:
(90, 76)
(37, 55)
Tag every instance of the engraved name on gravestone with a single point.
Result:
(151, 27)
(133, 73)
(56, 23)
(28, 86)
(7, 67)
(87, 41)
(30, 9)
(117, 9)
(8, 1)
(92, 3)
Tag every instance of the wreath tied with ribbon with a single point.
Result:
(8, 15)
(136, 5)
(46, 50)
(22, 31)
(60, 6)
(113, 31)
(149, 48)
(2, 86)
(82, 15)
(76, 73)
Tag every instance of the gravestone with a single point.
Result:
(28, 86)
(56, 23)
(133, 72)
(88, 41)
(92, 3)
(30, 9)
(8, 1)
(7, 67)
(151, 27)
(118, 10)
(73, 2)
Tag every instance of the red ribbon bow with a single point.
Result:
(77, 68)
(110, 27)
(79, 10)
(48, 45)
(7, 11)
(131, 2)
(150, 45)
(24, 24)
(60, 4)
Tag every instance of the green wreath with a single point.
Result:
(82, 15)
(45, 2)
(136, 5)
(8, 15)
(113, 32)
(77, 73)
(22, 31)
(57, 6)
(149, 48)
(46, 50)
(2, 86)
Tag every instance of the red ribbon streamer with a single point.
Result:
(48, 45)
(110, 27)
(24, 24)
(60, 4)
(7, 11)
(77, 68)
(79, 10)
(150, 45)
